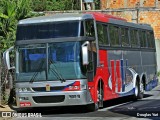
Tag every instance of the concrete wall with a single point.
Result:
(158, 54)
(137, 11)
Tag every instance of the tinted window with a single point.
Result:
(82, 29)
(114, 35)
(142, 35)
(150, 39)
(102, 31)
(124, 37)
(90, 28)
(134, 38)
(48, 30)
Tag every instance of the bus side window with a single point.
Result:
(124, 37)
(90, 32)
(114, 35)
(142, 37)
(82, 29)
(102, 31)
(134, 38)
(150, 39)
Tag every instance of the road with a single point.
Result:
(118, 109)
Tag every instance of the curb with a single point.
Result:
(5, 108)
(1, 106)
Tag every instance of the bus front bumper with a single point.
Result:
(46, 99)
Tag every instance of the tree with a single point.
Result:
(11, 11)
(56, 5)
(8, 24)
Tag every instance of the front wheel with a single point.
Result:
(99, 103)
(12, 100)
(100, 97)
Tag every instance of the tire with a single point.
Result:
(92, 107)
(100, 97)
(99, 104)
(139, 91)
(12, 100)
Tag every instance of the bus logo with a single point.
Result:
(48, 87)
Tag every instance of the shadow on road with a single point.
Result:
(148, 108)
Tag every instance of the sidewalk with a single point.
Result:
(5, 108)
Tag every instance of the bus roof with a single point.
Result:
(106, 18)
(101, 17)
(56, 17)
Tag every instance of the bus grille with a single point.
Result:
(42, 89)
(49, 99)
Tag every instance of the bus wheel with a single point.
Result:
(100, 97)
(139, 90)
(12, 99)
(92, 107)
(99, 103)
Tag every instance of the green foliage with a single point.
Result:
(158, 73)
(56, 5)
(11, 11)
(97, 4)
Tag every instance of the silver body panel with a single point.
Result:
(85, 97)
(56, 18)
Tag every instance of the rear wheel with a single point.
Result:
(139, 90)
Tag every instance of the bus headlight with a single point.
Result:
(23, 90)
(23, 98)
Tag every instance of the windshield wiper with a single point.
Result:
(36, 73)
(56, 73)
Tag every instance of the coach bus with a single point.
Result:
(81, 59)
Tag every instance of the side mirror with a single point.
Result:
(85, 53)
(6, 58)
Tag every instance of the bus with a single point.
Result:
(85, 59)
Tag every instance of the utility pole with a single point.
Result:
(81, 4)
(137, 9)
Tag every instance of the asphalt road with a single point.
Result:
(117, 109)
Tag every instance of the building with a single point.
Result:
(137, 11)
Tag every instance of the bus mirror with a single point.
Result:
(6, 58)
(85, 53)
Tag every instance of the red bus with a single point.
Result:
(81, 59)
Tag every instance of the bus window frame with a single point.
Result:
(106, 26)
(137, 38)
(146, 42)
(128, 36)
(151, 37)
(118, 26)
(85, 31)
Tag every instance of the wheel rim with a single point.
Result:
(99, 95)
(141, 88)
(136, 90)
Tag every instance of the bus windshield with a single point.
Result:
(48, 30)
(41, 61)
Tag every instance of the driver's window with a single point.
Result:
(90, 32)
